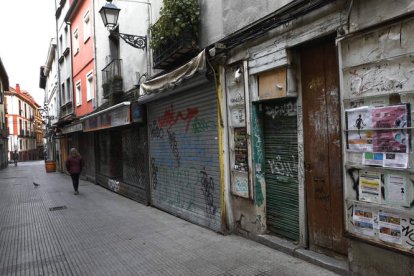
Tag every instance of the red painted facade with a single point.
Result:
(83, 58)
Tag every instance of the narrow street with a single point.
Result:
(101, 233)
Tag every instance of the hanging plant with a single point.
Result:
(176, 16)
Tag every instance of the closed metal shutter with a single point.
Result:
(184, 156)
(122, 164)
(135, 162)
(281, 157)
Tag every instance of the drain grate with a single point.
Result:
(57, 208)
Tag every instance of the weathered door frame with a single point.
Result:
(301, 134)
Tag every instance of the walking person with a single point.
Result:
(15, 157)
(74, 165)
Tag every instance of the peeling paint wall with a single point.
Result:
(366, 13)
(240, 13)
(377, 70)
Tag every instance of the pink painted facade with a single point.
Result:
(83, 56)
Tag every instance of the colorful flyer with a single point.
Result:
(390, 141)
(373, 159)
(370, 186)
(363, 219)
(393, 118)
(389, 227)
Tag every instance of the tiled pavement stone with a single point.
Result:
(102, 233)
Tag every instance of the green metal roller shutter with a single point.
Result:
(281, 174)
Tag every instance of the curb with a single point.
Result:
(340, 266)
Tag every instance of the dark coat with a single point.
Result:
(74, 164)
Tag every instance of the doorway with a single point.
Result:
(322, 146)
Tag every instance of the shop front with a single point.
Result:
(120, 150)
(184, 144)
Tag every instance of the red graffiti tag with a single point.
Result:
(170, 118)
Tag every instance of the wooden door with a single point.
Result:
(322, 147)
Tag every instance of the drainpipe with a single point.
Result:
(58, 69)
(95, 60)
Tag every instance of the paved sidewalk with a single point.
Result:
(102, 233)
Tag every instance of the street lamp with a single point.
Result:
(109, 14)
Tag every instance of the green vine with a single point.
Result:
(176, 16)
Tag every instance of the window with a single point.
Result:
(68, 96)
(63, 94)
(78, 94)
(76, 41)
(89, 86)
(61, 42)
(66, 37)
(86, 27)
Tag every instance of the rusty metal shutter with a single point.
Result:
(184, 155)
(281, 174)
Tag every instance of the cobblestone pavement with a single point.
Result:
(102, 233)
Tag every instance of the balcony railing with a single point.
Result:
(112, 82)
(176, 52)
(21, 133)
(66, 109)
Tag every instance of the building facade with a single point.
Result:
(50, 110)
(290, 121)
(4, 86)
(79, 17)
(20, 117)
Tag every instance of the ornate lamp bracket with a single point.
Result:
(139, 42)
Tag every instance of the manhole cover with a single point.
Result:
(57, 208)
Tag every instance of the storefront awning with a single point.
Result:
(174, 78)
(117, 115)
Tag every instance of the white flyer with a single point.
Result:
(396, 160)
(370, 186)
(396, 189)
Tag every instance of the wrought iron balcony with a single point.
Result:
(176, 52)
(112, 81)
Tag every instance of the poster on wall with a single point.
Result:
(370, 186)
(397, 191)
(389, 226)
(363, 219)
(358, 122)
(390, 141)
(393, 118)
(240, 184)
(240, 149)
(238, 117)
(396, 160)
(373, 159)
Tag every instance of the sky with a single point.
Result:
(26, 28)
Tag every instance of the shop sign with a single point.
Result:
(72, 128)
(108, 119)
(137, 113)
